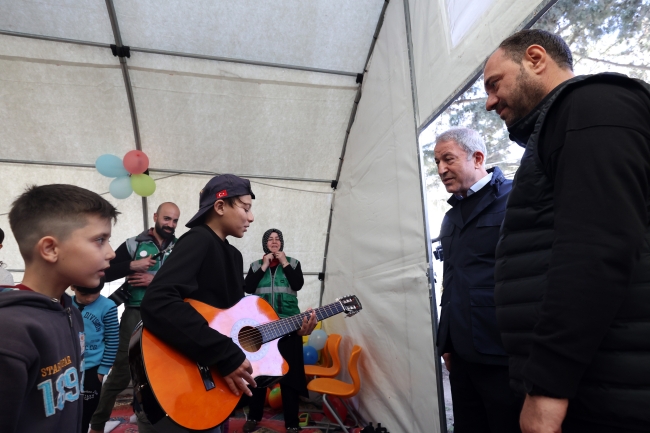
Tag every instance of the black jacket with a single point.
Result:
(210, 270)
(41, 363)
(573, 260)
(467, 319)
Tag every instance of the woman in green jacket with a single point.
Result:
(277, 278)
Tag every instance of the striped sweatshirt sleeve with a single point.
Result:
(111, 340)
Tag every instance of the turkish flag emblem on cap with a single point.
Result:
(223, 193)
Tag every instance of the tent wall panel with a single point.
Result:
(377, 249)
(282, 127)
(71, 19)
(328, 34)
(129, 222)
(55, 107)
(442, 68)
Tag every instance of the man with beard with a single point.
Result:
(573, 260)
(134, 260)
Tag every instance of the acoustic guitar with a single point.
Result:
(195, 396)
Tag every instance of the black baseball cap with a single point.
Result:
(222, 186)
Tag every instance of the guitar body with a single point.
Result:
(176, 380)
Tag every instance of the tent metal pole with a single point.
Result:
(165, 170)
(353, 114)
(242, 61)
(180, 54)
(442, 415)
(129, 94)
(304, 273)
(54, 39)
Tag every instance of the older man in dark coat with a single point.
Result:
(468, 335)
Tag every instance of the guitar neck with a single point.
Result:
(279, 328)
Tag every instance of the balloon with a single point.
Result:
(317, 339)
(338, 407)
(136, 162)
(143, 184)
(309, 355)
(275, 398)
(110, 166)
(120, 187)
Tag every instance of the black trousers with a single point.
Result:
(292, 385)
(482, 398)
(92, 390)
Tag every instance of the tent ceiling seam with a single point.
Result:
(54, 39)
(243, 61)
(239, 79)
(179, 54)
(167, 170)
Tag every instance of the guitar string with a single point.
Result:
(296, 320)
(289, 323)
(272, 333)
(286, 325)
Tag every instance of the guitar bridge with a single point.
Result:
(206, 376)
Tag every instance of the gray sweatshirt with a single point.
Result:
(41, 363)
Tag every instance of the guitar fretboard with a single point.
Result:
(279, 328)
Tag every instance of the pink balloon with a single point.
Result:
(136, 162)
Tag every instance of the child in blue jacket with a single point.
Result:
(102, 336)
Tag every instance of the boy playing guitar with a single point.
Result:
(204, 267)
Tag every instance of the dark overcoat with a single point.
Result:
(468, 317)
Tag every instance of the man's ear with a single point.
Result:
(218, 207)
(48, 248)
(537, 58)
(479, 159)
(155, 217)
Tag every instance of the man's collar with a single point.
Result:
(477, 186)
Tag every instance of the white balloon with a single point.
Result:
(317, 339)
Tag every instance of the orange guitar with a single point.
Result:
(195, 396)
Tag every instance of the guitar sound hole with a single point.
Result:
(250, 339)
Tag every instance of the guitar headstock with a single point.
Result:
(351, 305)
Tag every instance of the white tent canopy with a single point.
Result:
(299, 96)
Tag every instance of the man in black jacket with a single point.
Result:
(468, 335)
(573, 260)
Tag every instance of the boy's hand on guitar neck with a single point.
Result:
(308, 325)
(239, 379)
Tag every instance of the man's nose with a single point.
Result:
(491, 102)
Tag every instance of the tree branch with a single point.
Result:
(629, 65)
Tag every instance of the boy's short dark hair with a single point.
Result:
(515, 46)
(54, 210)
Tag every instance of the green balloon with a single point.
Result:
(143, 184)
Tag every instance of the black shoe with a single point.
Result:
(293, 429)
(250, 426)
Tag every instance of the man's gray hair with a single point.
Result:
(468, 139)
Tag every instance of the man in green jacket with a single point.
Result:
(137, 259)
